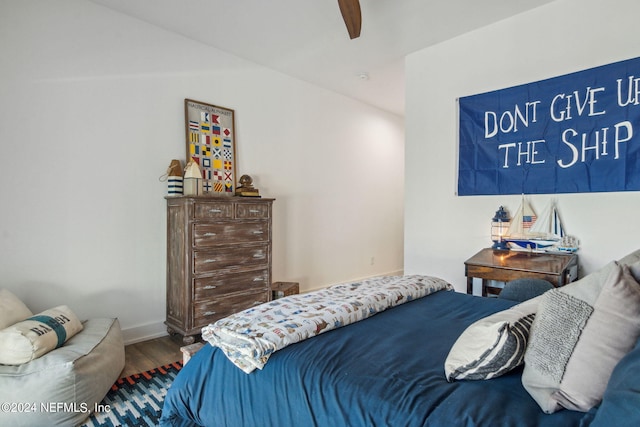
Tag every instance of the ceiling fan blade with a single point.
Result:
(350, 10)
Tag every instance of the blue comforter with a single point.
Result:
(383, 371)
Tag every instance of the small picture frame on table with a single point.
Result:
(211, 143)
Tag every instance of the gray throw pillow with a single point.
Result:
(635, 270)
(575, 342)
(632, 258)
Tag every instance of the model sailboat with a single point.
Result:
(548, 225)
(538, 233)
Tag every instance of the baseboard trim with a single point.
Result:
(145, 332)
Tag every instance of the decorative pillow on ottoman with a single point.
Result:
(12, 310)
(37, 335)
(575, 344)
(492, 346)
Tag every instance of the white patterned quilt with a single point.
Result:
(249, 337)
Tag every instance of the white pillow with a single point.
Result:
(12, 310)
(37, 335)
(493, 345)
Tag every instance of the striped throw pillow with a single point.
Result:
(492, 346)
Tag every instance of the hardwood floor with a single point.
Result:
(142, 356)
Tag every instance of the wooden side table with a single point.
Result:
(283, 289)
(504, 266)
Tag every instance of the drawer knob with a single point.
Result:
(210, 287)
(257, 302)
(209, 234)
(258, 232)
(210, 260)
(258, 256)
(215, 210)
(258, 279)
(254, 211)
(209, 313)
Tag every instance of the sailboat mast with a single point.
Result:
(521, 219)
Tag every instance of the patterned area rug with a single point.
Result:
(135, 400)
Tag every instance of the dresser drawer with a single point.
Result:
(252, 210)
(209, 312)
(204, 210)
(229, 232)
(207, 261)
(212, 287)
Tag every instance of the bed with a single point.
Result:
(385, 370)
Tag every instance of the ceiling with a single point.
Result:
(307, 39)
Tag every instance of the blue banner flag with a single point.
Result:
(570, 134)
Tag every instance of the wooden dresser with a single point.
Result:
(218, 259)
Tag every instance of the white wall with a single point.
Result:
(91, 113)
(443, 230)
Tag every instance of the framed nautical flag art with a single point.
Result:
(574, 133)
(211, 143)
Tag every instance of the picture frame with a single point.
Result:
(211, 143)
